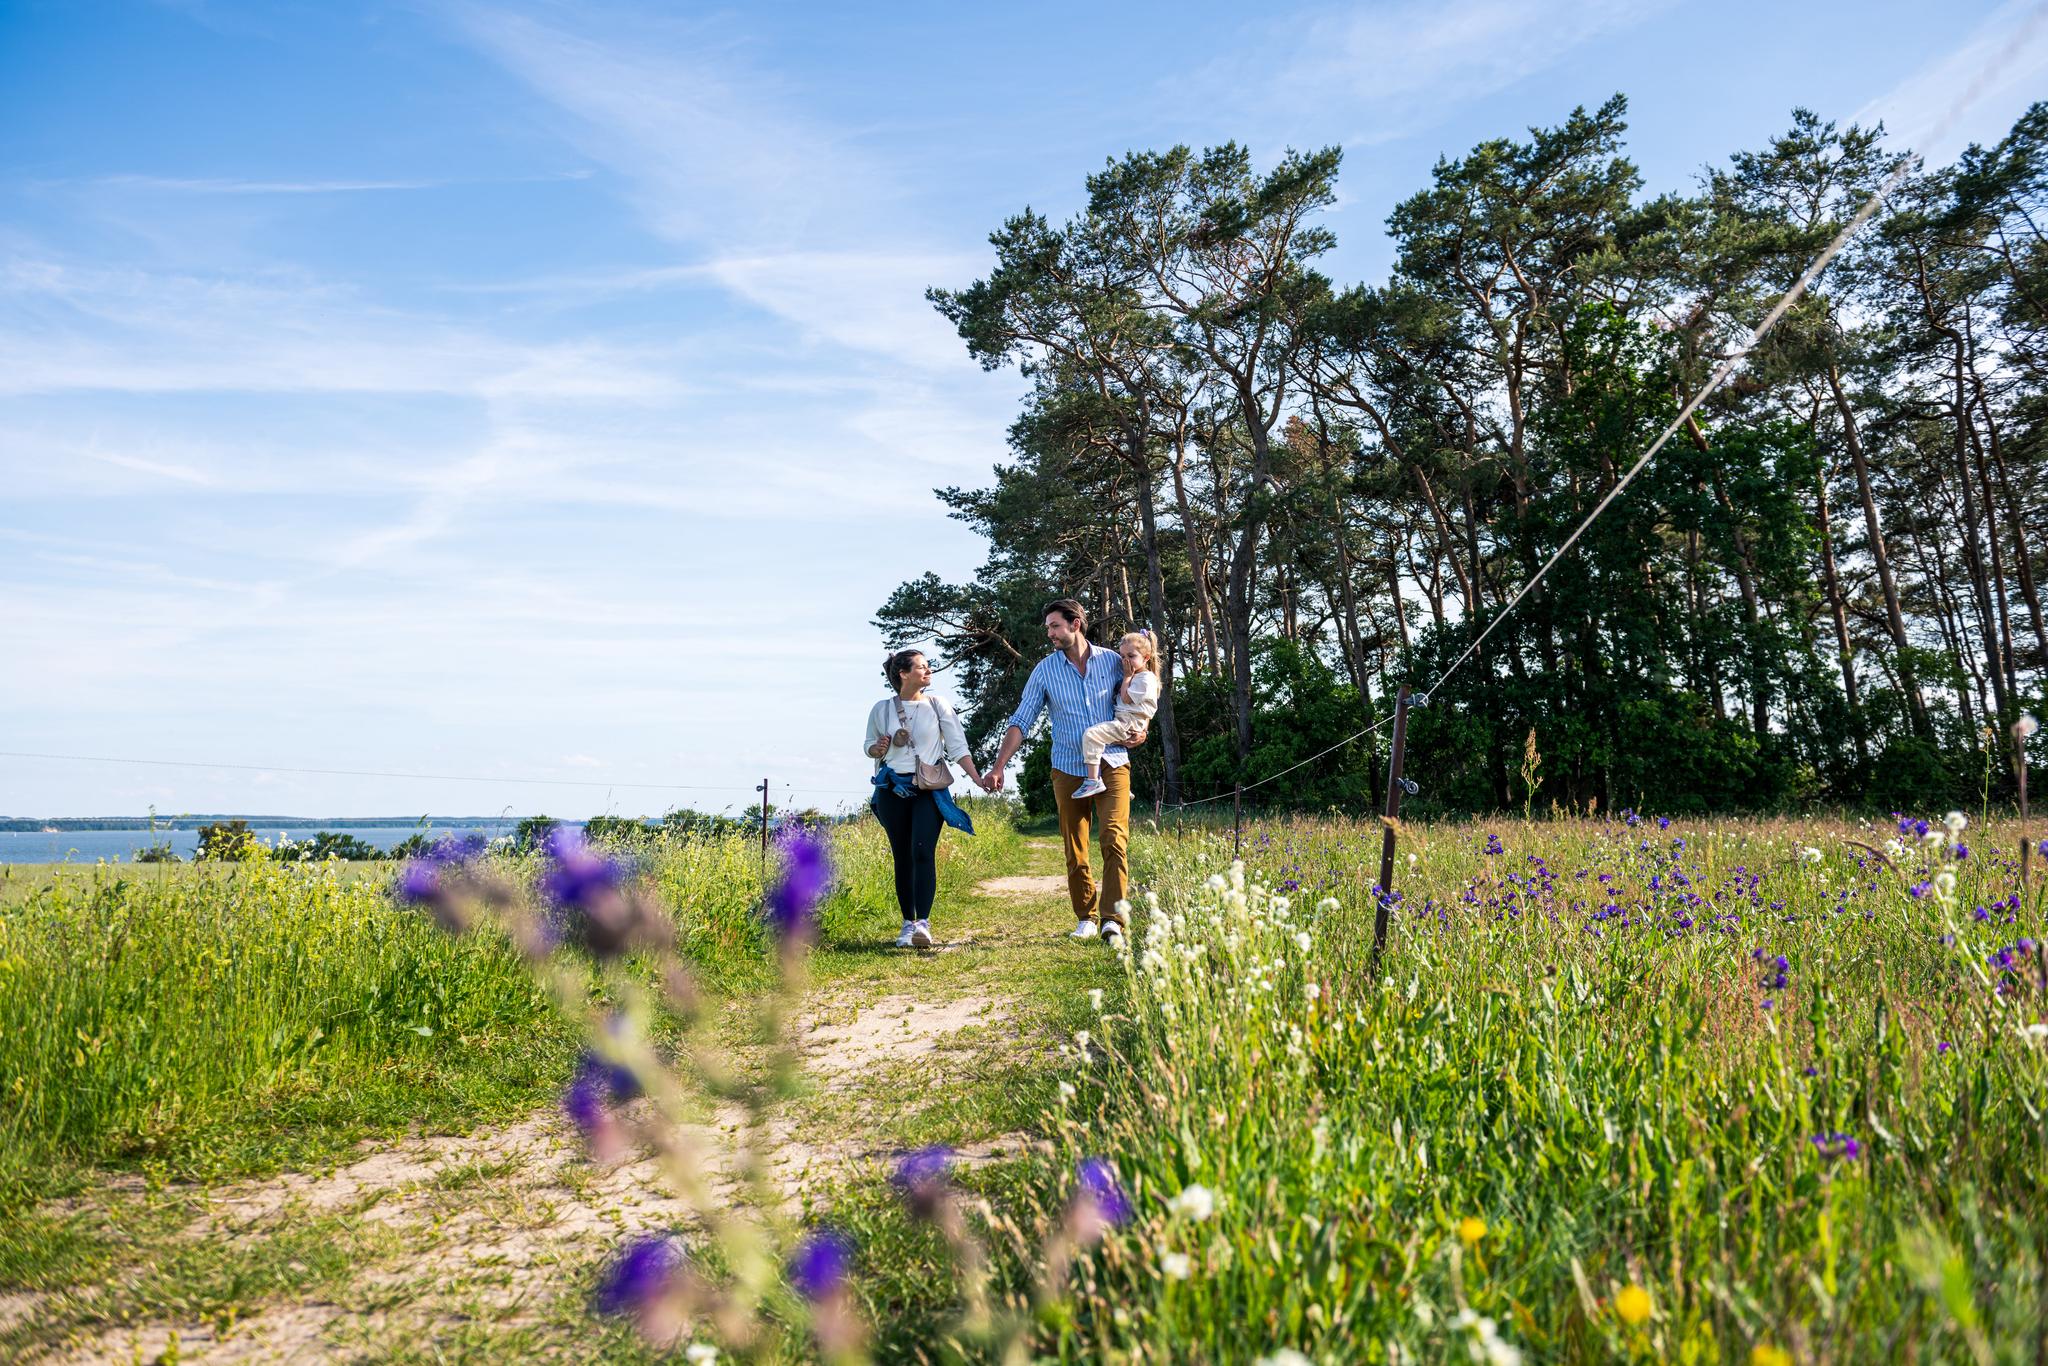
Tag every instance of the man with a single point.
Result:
(1078, 683)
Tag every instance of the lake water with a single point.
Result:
(91, 846)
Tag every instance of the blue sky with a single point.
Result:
(546, 390)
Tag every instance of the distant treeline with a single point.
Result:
(234, 840)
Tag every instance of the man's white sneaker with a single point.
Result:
(1093, 787)
(1113, 935)
(909, 935)
(921, 934)
(1087, 929)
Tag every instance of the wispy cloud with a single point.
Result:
(1975, 92)
(223, 185)
(72, 327)
(1372, 73)
(778, 207)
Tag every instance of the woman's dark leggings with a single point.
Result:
(913, 825)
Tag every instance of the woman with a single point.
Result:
(903, 727)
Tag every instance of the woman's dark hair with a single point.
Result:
(1074, 613)
(898, 664)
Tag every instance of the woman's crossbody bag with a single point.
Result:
(929, 777)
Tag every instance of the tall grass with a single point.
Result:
(205, 1020)
(1578, 1109)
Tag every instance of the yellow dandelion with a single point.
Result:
(1764, 1354)
(1471, 1230)
(1633, 1304)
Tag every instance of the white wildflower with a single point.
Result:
(1280, 905)
(1176, 1265)
(1945, 884)
(1216, 882)
(1123, 911)
(1810, 854)
(2034, 1033)
(1956, 821)
(1194, 1203)
(1301, 940)
(1067, 1092)
(1286, 1356)
(700, 1352)
(1327, 905)
(1237, 875)
(1313, 990)
(1081, 1039)
(1095, 998)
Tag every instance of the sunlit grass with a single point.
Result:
(1580, 1050)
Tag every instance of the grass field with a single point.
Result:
(1717, 1091)
(1616, 1090)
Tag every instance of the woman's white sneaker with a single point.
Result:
(909, 935)
(1113, 935)
(1087, 929)
(921, 934)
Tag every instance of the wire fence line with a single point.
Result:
(751, 791)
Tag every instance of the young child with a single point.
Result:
(1135, 703)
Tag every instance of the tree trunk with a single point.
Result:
(1832, 583)
(1853, 439)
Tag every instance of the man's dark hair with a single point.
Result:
(1074, 613)
(898, 664)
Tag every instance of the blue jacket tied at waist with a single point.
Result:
(902, 785)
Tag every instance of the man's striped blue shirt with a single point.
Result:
(1077, 699)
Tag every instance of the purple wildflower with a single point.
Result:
(1663, 822)
(452, 851)
(419, 882)
(1944, 1046)
(1919, 890)
(819, 1268)
(583, 1101)
(806, 873)
(579, 878)
(1099, 1183)
(640, 1275)
(1837, 1147)
(1493, 845)
(921, 1179)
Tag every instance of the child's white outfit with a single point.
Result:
(1135, 704)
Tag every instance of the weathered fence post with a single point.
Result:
(1237, 822)
(1385, 891)
(764, 832)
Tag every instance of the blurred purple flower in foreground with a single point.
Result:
(1099, 1202)
(1837, 1147)
(820, 1266)
(792, 902)
(597, 1085)
(587, 891)
(641, 1275)
(578, 878)
(419, 882)
(921, 1178)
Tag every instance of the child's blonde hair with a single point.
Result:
(1144, 641)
